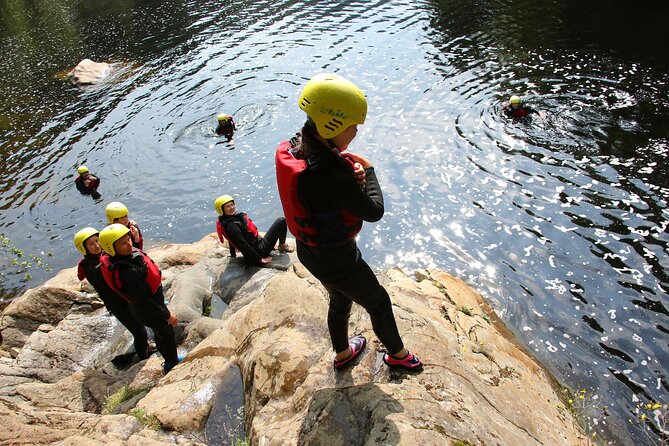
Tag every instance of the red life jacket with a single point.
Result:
(110, 272)
(251, 232)
(519, 112)
(307, 226)
(94, 183)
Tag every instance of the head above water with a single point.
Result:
(514, 99)
(333, 103)
(82, 169)
(221, 201)
(222, 117)
(110, 235)
(81, 237)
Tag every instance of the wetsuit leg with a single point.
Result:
(363, 288)
(276, 232)
(165, 341)
(136, 328)
(347, 277)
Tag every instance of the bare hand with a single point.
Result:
(359, 159)
(172, 320)
(266, 260)
(360, 177)
(134, 232)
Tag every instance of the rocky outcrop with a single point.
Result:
(88, 72)
(269, 356)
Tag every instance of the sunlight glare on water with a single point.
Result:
(561, 222)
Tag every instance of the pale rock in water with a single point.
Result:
(88, 72)
(478, 387)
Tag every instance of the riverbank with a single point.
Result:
(64, 357)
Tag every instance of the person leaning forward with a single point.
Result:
(86, 241)
(133, 275)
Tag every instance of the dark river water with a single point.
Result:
(561, 223)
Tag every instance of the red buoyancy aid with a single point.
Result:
(94, 183)
(111, 274)
(305, 225)
(519, 112)
(249, 227)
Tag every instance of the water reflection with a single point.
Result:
(562, 222)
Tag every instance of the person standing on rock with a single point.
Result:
(87, 242)
(242, 234)
(117, 212)
(134, 276)
(326, 194)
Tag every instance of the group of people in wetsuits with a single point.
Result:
(128, 282)
(326, 193)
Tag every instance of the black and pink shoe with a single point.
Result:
(409, 362)
(357, 345)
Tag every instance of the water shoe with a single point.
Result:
(409, 362)
(357, 345)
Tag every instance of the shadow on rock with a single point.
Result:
(350, 416)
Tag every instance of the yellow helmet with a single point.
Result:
(82, 169)
(222, 117)
(81, 237)
(114, 210)
(109, 235)
(514, 99)
(333, 103)
(220, 201)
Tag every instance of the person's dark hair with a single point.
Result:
(309, 146)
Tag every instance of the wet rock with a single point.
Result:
(88, 72)
(479, 386)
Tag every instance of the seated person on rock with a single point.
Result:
(87, 183)
(242, 234)
(226, 125)
(117, 212)
(134, 276)
(86, 241)
(515, 108)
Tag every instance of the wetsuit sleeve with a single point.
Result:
(81, 272)
(135, 288)
(81, 187)
(366, 204)
(234, 231)
(530, 110)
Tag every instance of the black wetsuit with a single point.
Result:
(86, 190)
(149, 308)
(89, 269)
(518, 113)
(226, 127)
(253, 248)
(332, 187)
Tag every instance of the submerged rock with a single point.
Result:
(478, 385)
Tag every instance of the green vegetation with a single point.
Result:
(146, 419)
(15, 262)
(120, 396)
(465, 310)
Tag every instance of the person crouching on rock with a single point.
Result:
(325, 203)
(87, 183)
(134, 276)
(226, 126)
(86, 241)
(242, 234)
(117, 212)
